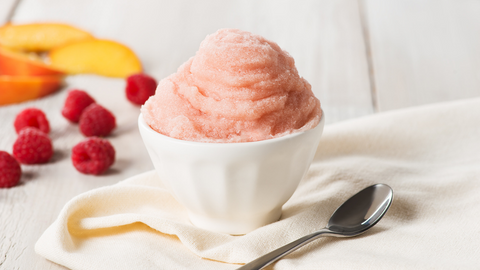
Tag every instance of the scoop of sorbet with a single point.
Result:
(239, 87)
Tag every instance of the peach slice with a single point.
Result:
(102, 57)
(15, 89)
(21, 64)
(39, 36)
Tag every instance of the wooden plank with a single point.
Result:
(424, 51)
(6, 9)
(324, 37)
(29, 208)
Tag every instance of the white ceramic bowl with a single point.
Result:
(232, 188)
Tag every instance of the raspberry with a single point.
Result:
(32, 117)
(93, 156)
(140, 87)
(32, 146)
(10, 171)
(96, 121)
(76, 102)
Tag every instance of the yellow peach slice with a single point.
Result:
(15, 89)
(102, 57)
(22, 64)
(39, 36)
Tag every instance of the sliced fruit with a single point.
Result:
(102, 57)
(22, 64)
(39, 36)
(15, 89)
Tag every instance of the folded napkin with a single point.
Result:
(429, 155)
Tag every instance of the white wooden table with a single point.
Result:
(361, 57)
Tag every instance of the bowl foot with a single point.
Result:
(234, 225)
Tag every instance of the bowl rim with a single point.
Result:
(143, 125)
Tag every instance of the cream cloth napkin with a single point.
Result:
(429, 155)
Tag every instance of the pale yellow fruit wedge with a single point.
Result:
(102, 57)
(40, 36)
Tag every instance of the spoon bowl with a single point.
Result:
(355, 216)
(361, 211)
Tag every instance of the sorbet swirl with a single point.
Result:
(239, 87)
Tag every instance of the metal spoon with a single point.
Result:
(353, 217)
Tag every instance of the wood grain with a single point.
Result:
(423, 51)
(325, 38)
(6, 10)
(28, 209)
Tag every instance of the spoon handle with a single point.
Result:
(273, 256)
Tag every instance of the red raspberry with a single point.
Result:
(31, 117)
(96, 121)
(140, 87)
(10, 171)
(93, 156)
(32, 146)
(76, 102)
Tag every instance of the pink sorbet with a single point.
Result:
(239, 87)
